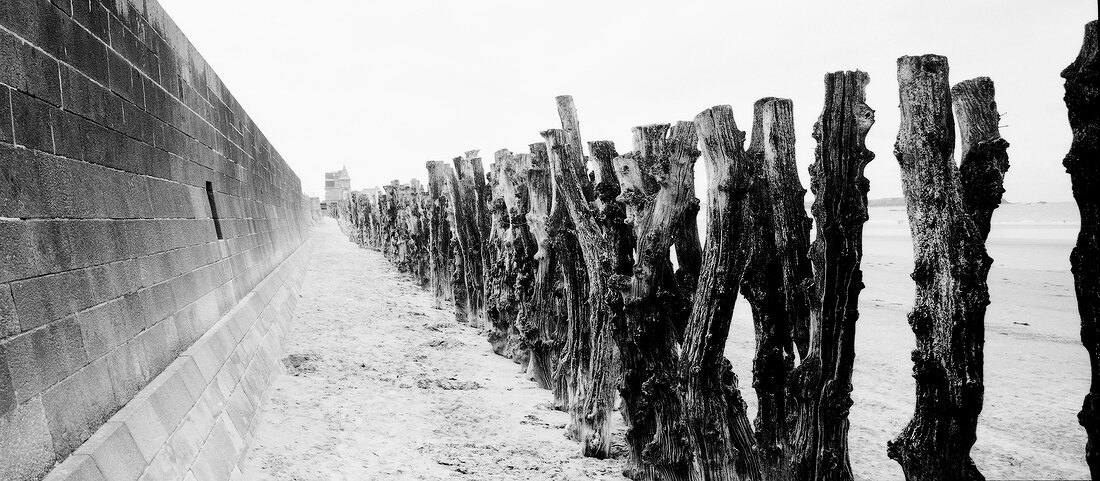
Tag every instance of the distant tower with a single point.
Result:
(337, 187)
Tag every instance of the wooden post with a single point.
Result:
(516, 201)
(548, 316)
(459, 238)
(840, 210)
(1083, 165)
(984, 152)
(657, 182)
(778, 277)
(950, 272)
(508, 252)
(439, 250)
(718, 433)
(475, 171)
(588, 353)
(467, 217)
(499, 281)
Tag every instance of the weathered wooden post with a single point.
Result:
(778, 277)
(657, 182)
(1083, 165)
(840, 210)
(589, 352)
(439, 250)
(459, 237)
(718, 436)
(950, 271)
(510, 256)
(466, 214)
(984, 152)
(758, 226)
(547, 317)
(500, 305)
(422, 257)
(523, 246)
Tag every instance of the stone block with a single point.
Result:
(226, 384)
(19, 169)
(171, 401)
(145, 427)
(95, 19)
(7, 389)
(240, 409)
(25, 442)
(156, 268)
(94, 237)
(128, 371)
(182, 448)
(35, 122)
(9, 322)
(85, 52)
(121, 78)
(158, 302)
(68, 188)
(166, 465)
(82, 95)
(99, 391)
(28, 69)
(79, 467)
(155, 346)
(101, 329)
(41, 300)
(218, 456)
(115, 453)
(202, 352)
(43, 357)
(175, 340)
(6, 133)
(192, 377)
(77, 406)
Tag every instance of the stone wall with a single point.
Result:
(143, 215)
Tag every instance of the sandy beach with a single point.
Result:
(382, 386)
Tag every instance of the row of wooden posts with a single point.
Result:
(566, 261)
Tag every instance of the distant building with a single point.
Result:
(337, 186)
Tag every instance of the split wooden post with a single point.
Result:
(950, 271)
(984, 152)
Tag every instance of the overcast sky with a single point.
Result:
(385, 86)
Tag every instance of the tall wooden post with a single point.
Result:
(589, 352)
(778, 278)
(840, 210)
(456, 203)
(1083, 165)
(439, 250)
(718, 433)
(950, 271)
(468, 229)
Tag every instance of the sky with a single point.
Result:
(384, 86)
